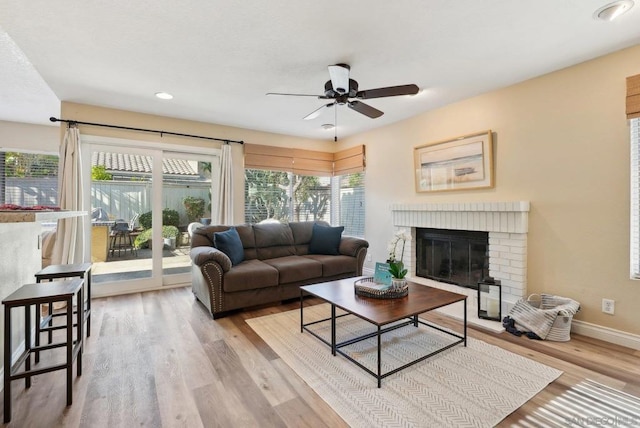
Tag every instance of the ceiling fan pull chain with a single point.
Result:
(335, 123)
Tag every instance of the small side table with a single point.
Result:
(38, 294)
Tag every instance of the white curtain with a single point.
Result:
(69, 245)
(225, 189)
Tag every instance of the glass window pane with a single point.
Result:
(352, 204)
(311, 198)
(28, 179)
(266, 195)
(635, 198)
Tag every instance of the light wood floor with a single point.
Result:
(158, 360)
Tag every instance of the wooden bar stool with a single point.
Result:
(38, 294)
(77, 270)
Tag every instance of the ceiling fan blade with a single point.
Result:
(316, 112)
(365, 109)
(390, 91)
(339, 78)
(296, 95)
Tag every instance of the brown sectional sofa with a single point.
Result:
(276, 262)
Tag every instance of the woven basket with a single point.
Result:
(361, 289)
(561, 328)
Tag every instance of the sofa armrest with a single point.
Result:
(349, 245)
(200, 255)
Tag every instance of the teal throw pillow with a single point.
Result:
(325, 240)
(229, 243)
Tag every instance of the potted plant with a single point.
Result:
(194, 208)
(396, 265)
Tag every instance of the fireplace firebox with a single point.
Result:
(454, 256)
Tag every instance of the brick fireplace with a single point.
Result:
(507, 225)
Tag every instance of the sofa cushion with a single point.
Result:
(229, 243)
(325, 240)
(248, 240)
(250, 275)
(302, 232)
(273, 240)
(295, 268)
(335, 265)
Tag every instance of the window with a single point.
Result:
(28, 179)
(351, 204)
(311, 198)
(266, 195)
(285, 196)
(635, 197)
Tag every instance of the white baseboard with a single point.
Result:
(584, 328)
(606, 334)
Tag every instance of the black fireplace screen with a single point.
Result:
(455, 256)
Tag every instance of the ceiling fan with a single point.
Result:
(344, 90)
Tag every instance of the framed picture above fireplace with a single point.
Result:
(464, 162)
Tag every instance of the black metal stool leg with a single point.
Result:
(27, 344)
(38, 320)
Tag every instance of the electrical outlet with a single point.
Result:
(608, 306)
(368, 257)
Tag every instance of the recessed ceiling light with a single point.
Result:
(613, 10)
(327, 126)
(164, 95)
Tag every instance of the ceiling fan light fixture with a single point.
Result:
(164, 95)
(611, 11)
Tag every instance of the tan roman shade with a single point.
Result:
(267, 157)
(308, 162)
(633, 96)
(304, 162)
(349, 161)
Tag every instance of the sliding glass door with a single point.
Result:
(187, 197)
(141, 202)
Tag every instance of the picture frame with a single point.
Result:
(464, 162)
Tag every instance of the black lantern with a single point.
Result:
(490, 299)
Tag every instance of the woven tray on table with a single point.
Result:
(366, 287)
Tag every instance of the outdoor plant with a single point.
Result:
(169, 218)
(99, 173)
(396, 265)
(194, 207)
(142, 240)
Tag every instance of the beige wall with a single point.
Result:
(88, 113)
(26, 136)
(562, 142)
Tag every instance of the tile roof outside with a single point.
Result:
(122, 162)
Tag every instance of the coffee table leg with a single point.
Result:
(464, 325)
(379, 358)
(415, 320)
(333, 330)
(301, 314)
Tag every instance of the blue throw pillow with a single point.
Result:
(325, 240)
(229, 243)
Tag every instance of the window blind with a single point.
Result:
(635, 198)
(28, 179)
(633, 96)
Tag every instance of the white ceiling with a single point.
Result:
(219, 58)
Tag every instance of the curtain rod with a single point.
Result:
(77, 122)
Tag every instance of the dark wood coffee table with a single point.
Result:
(381, 313)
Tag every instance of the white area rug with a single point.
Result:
(476, 386)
